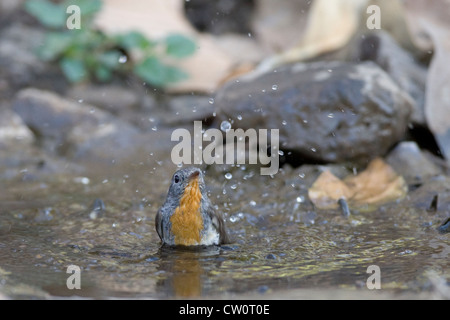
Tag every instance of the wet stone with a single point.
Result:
(21, 66)
(445, 227)
(271, 256)
(412, 163)
(325, 111)
(66, 128)
(400, 64)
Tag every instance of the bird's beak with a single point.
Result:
(194, 175)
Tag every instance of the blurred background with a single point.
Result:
(91, 91)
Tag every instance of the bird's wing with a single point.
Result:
(218, 224)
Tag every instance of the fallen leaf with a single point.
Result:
(376, 185)
(327, 190)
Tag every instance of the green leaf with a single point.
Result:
(179, 46)
(49, 14)
(110, 59)
(103, 74)
(134, 40)
(157, 73)
(73, 69)
(54, 45)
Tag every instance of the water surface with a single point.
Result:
(280, 242)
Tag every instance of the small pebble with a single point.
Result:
(271, 256)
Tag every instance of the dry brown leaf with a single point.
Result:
(327, 190)
(376, 185)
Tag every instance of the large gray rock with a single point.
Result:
(415, 165)
(13, 131)
(325, 111)
(401, 66)
(74, 130)
(19, 155)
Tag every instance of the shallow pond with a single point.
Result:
(281, 244)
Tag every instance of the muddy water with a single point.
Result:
(280, 243)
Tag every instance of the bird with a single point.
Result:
(187, 217)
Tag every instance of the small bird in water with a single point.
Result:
(188, 217)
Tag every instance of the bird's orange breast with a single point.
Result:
(187, 221)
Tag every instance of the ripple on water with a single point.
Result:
(278, 244)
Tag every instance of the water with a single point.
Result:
(279, 242)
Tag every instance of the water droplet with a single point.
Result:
(329, 70)
(239, 117)
(123, 59)
(234, 186)
(300, 199)
(331, 116)
(281, 153)
(211, 101)
(225, 126)
(249, 34)
(313, 149)
(105, 181)
(274, 87)
(228, 176)
(301, 175)
(252, 203)
(80, 101)
(82, 180)
(305, 121)
(284, 122)
(154, 129)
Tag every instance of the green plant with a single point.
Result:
(87, 53)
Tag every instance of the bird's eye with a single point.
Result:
(176, 179)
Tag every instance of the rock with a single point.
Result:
(19, 155)
(31, 163)
(325, 111)
(74, 130)
(112, 98)
(412, 163)
(13, 131)
(401, 65)
(430, 25)
(423, 197)
(19, 64)
(129, 102)
(445, 226)
(188, 108)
